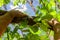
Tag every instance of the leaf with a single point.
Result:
(15, 30)
(32, 37)
(44, 26)
(40, 1)
(52, 2)
(51, 33)
(1, 2)
(58, 17)
(6, 1)
(15, 2)
(43, 11)
(23, 1)
(47, 16)
(44, 37)
(23, 24)
(37, 12)
(37, 19)
(53, 13)
(34, 29)
(58, 1)
(49, 6)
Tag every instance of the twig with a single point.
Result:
(7, 34)
(31, 4)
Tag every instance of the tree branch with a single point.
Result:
(31, 4)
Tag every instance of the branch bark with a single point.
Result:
(56, 28)
(31, 4)
(7, 17)
(53, 22)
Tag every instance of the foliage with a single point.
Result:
(38, 31)
(15, 2)
(4, 2)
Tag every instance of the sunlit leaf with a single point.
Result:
(53, 13)
(51, 33)
(58, 0)
(58, 17)
(49, 6)
(47, 16)
(52, 2)
(44, 26)
(6, 1)
(44, 37)
(1, 2)
(32, 37)
(23, 1)
(43, 11)
(15, 2)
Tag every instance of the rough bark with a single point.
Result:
(19, 17)
(57, 31)
(7, 17)
(56, 28)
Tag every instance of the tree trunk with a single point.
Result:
(57, 31)
(56, 28)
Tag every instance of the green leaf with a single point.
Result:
(37, 12)
(43, 11)
(34, 29)
(37, 19)
(52, 2)
(15, 30)
(44, 37)
(58, 1)
(23, 1)
(44, 26)
(58, 17)
(15, 2)
(32, 37)
(49, 6)
(6, 1)
(1, 2)
(40, 1)
(53, 13)
(47, 16)
(23, 24)
(51, 33)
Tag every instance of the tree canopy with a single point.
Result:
(44, 12)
